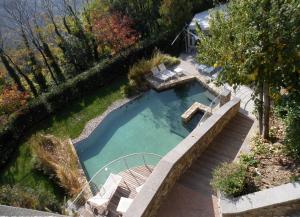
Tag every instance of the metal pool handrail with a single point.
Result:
(211, 106)
(80, 197)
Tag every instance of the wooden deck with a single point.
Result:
(132, 179)
(192, 195)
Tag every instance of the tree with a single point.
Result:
(143, 13)
(175, 13)
(114, 30)
(258, 43)
(18, 15)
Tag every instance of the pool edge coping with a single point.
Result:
(92, 124)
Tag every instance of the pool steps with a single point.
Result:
(191, 111)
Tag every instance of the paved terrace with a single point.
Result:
(192, 195)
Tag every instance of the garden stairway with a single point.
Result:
(192, 195)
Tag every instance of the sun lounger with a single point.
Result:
(209, 70)
(107, 191)
(124, 204)
(165, 71)
(179, 71)
(158, 75)
(201, 67)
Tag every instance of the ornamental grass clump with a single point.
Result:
(230, 179)
(57, 159)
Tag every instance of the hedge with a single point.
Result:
(51, 102)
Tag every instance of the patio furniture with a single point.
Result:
(124, 204)
(99, 202)
(209, 70)
(179, 71)
(201, 67)
(158, 75)
(165, 71)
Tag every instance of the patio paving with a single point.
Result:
(192, 195)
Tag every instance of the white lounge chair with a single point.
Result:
(201, 67)
(124, 204)
(165, 71)
(179, 71)
(157, 74)
(209, 70)
(107, 191)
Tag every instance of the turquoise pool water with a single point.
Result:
(151, 123)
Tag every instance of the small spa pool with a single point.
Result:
(151, 123)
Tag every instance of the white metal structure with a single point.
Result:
(201, 19)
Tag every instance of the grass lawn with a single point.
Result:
(68, 123)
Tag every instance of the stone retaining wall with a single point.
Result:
(178, 160)
(281, 201)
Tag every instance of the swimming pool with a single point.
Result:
(151, 123)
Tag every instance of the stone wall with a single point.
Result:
(178, 160)
(281, 201)
(17, 211)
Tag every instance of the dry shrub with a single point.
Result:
(57, 158)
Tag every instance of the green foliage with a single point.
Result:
(144, 13)
(256, 40)
(292, 138)
(143, 67)
(288, 109)
(230, 179)
(175, 13)
(20, 196)
(248, 160)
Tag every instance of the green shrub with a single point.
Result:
(248, 160)
(292, 137)
(288, 109)
(230, 179)
(20, 196)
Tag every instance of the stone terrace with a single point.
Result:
(192, 195)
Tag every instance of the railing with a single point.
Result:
(116, 166)
(212, 105)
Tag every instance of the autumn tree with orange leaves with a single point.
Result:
(114, 30)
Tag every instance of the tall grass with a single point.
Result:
(143, 67)
(57, 159)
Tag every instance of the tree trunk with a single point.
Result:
(93, 41)
(260, 108)
(266, 118)
(12, 73)
(66, 26)
(45, 51)
(53, 63)
(26, 78)
(36, 70)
